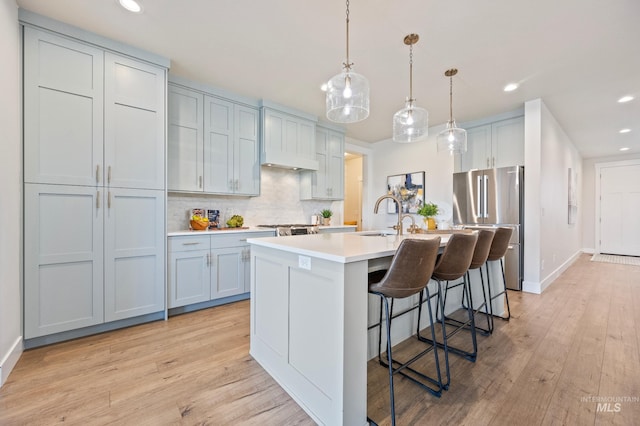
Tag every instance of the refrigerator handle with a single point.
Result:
(480, 196)
(485, 197)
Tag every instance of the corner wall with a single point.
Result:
(551, 243)
(10, 189)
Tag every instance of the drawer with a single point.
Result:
(189, 243)
(237, 239)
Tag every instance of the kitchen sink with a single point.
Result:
(375, 234)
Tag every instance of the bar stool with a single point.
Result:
(409, 273)
(499, 248)
(480, 255)
(452, 265)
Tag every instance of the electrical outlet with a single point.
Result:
(304, 262)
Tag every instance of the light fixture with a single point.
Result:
(347, 93)
(510, 87)
(131, 5)
(625, 99)
(411, 123)
(625, 149)
(624, 130)
(452, 139)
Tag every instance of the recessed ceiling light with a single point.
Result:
(324, 87)
(624, 149)
(624, 130)
(510, 87)
(625, 99)
(131, 5)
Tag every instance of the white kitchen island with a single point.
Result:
(309, 310)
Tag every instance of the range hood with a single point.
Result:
(288, 138)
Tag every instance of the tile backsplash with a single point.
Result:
(279, 202)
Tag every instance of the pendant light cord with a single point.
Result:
(347, 65)
(451, 99)
(411, 72)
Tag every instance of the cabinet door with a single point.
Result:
(134, 145)
(218, 146)
(478, 148)
(185, 141)
(134, 253)
(507, 142)
(320, 178)
(63, 109)
(228, 271)
(335, 165)
(189, 278)
(63, 258)
(246, 163)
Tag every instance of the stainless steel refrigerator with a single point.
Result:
(492, 198)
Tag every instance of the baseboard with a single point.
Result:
(539, 287)
(10, 360)
(589, 250)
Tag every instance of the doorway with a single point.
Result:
(353, 186)
(617, 206)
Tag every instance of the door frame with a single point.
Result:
(599, 167)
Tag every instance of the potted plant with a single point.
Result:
(326, 216)
(429, 210)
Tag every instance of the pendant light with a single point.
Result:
(452, 139)
(411, 123)
(347, 93)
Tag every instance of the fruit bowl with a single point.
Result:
(199, 225)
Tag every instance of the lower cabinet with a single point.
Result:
(208, 267)
(92, 255)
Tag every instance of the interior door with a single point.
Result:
(619, 204)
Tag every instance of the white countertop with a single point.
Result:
(249, 229)
(342, 247)
(220, 231)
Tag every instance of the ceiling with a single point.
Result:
(578, 56)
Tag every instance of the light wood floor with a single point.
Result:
(562, 350)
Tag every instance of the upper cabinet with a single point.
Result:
(288, 138)
(494, 144)
(91, 115)
(327, 183)
(213, 143)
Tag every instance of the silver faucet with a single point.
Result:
(398, 226)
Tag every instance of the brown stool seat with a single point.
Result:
(479, 258)
(408, 274)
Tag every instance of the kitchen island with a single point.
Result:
(309, 317)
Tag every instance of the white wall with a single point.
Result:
(390, 158)
(588, 197)
(10, 189)
(551, 244)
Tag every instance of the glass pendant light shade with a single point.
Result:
(452, 139)
(347, 97)
(410, 124)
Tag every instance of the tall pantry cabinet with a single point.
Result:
(94, 181)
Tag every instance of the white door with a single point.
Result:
(227, 273)
(189, 278)
(619, 206)
(218, 146)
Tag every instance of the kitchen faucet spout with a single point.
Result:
(398, 226)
